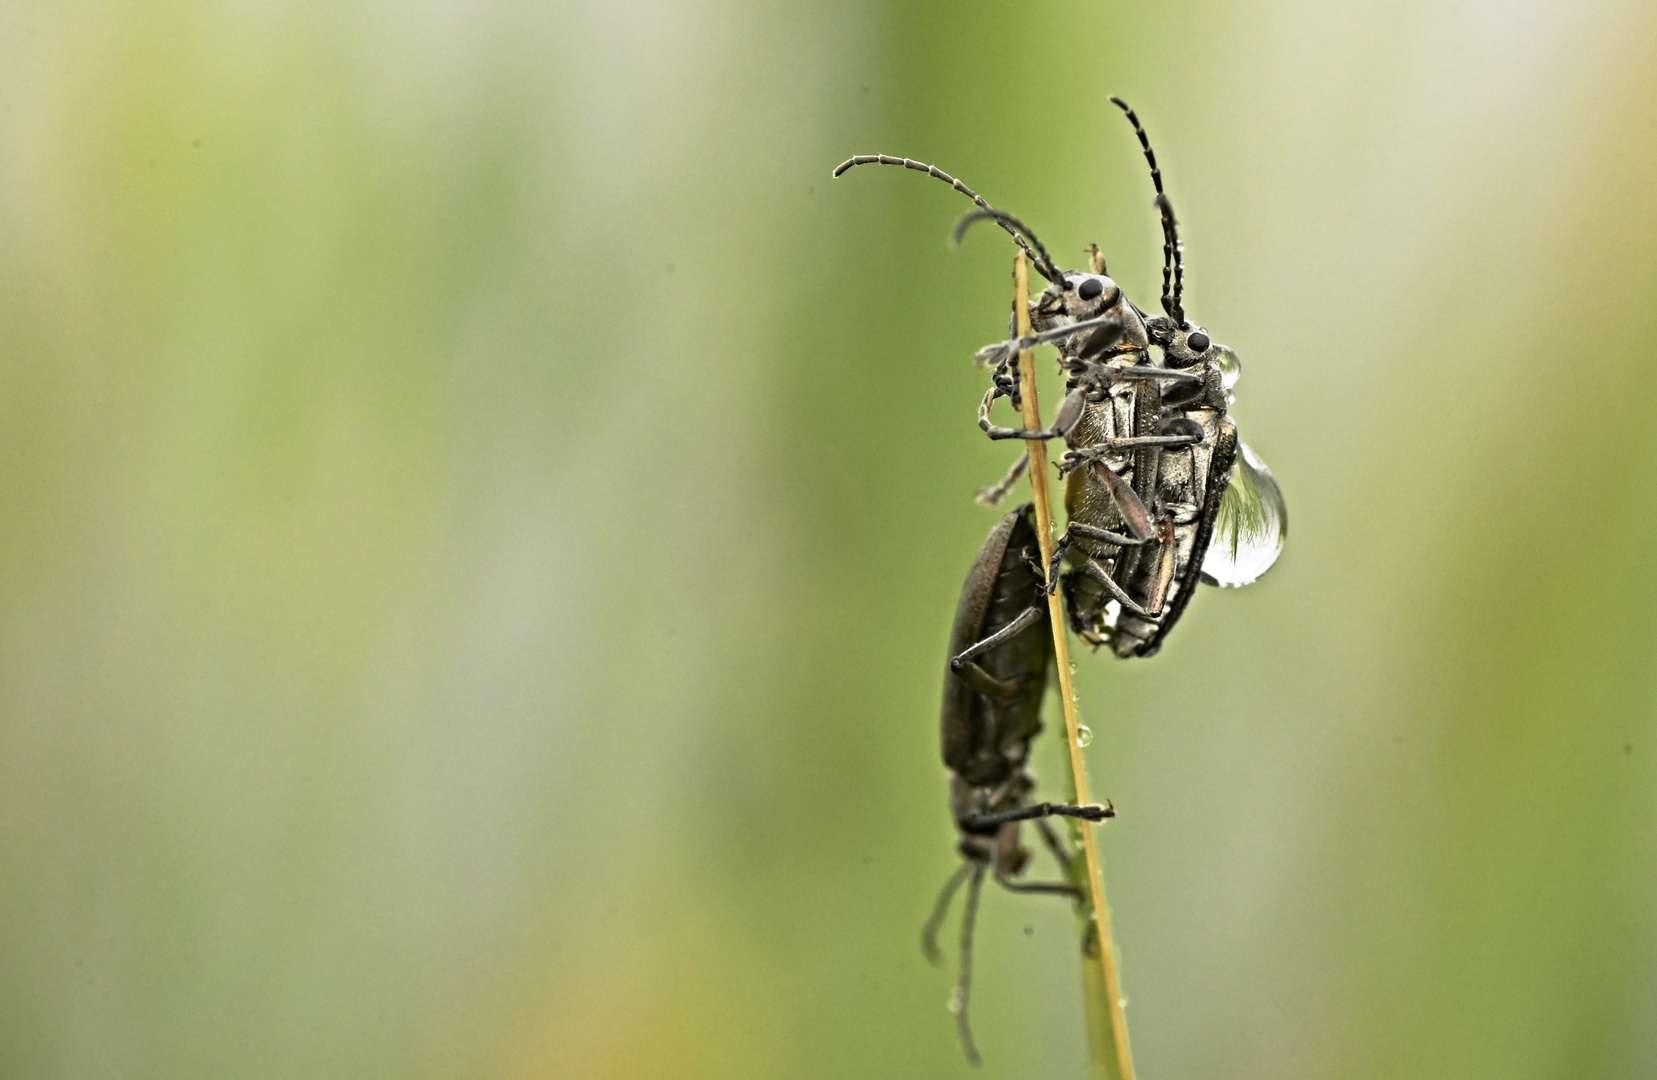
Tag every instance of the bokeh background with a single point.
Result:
(481, 510)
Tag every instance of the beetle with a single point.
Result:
(1160, 494)
(1000, 651)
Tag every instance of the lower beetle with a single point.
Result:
(1000, 649)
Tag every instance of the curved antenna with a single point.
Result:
(1173, 254)
(1043, 261)
(940, 909)
(1044, 266)
(963, 988)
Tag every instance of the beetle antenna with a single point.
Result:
(940, 909)
(1044, 265)
(1173, 254)
(1007, 221)
(963, 987)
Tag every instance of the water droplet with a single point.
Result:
(1250, 528)
(955, 1004)
(1231, 368)
(1084, 735)
(1072, 667)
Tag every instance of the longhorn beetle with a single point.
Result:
(1160, 494)
(1000, 649)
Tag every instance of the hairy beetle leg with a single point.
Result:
(1041, 810)
(1127, 500)
(1092, 532)
(1051, 888)
(1165, 566)
(983, 682)
(992, 495)
(1098, 573)
(1004, 352)
(1069, 414)
(1025, 618)
(1066, 858)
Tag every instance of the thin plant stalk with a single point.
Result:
(1112, 1059)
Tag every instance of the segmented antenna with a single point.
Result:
(1007, 221)
(1173, 254)
(1044, 265)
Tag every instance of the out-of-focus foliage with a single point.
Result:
(480, 513)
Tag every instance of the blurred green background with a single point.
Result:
(481, 511)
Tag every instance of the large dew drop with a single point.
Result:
(1251, 526)
(1084, 735)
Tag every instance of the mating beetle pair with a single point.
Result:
(1160, 496)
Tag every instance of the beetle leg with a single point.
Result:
(1057, 564)
(1065, 858)
(1069, 414)
(1092, 532)
(1145, 373)
(1041, 810)
(1075, 459)
(1004, 352)
(1026, 618)
(1128, 442)
(983, 682)
(940, 909)
(992, 430)
(1165, 566)
(963, 984)
(1128, 503)
(1057, 888)
(1098, 573)
(994, 494)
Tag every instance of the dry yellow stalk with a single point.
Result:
(1115, 1060)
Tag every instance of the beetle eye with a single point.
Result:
(1090, 289)
(1198, 342)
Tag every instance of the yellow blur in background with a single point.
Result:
(481, 511)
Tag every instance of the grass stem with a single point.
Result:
(1107, 1024)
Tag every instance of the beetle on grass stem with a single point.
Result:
(1160, 493)
(1000, 649)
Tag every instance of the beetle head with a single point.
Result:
(1089, 296)
(1185, 347)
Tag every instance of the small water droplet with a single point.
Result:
(1084, 735)
(1072, 667)
(1230, 367)
(954, 1003)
